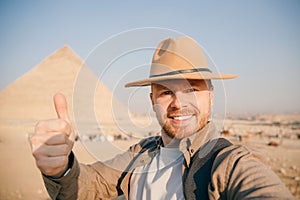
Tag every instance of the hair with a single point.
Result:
(209, 84)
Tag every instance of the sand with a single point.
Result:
(29, 99)
(20, 179)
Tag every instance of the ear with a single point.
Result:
(211, 95)
(151, 98)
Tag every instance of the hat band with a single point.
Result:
(182, 71)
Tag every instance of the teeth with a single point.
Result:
(182, 117)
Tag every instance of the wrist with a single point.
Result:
(66, 170)
(62, 174)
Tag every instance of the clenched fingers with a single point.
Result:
(54, 138)
(52, 150)
(53, 125)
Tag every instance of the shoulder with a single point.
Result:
(233, 156)
(238, 153)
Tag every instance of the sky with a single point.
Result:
(258, 40)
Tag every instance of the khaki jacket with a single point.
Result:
(237, 172)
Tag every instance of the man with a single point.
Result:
(188, 160)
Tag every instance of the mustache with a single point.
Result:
(180, 112)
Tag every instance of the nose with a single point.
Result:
(178, 100)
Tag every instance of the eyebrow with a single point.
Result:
(208, 83)
(192, 83)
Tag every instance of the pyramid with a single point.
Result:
(30, 97)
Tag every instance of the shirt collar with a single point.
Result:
(189, 145)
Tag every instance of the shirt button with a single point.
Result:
(192, 150)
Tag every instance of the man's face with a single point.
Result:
(182, 107)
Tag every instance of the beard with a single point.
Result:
(182, 130)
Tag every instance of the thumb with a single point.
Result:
(61, 107)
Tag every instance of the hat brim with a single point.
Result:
(193, 76)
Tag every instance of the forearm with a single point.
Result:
(256, 181)
(81, 182)
(96, 181)
(240, 173)
(65, 187)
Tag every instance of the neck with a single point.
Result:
(170, 142)
(174, 142)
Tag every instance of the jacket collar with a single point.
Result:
(190, 145)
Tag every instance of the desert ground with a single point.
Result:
(20, 179)
(29, 99)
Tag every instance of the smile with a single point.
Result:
(182, 118)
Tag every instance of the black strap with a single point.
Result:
(197, 177)
(150, 145)
(182, 71)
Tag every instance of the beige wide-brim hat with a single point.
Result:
(180, 58)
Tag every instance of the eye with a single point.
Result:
(190, 90)
(167, 93)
